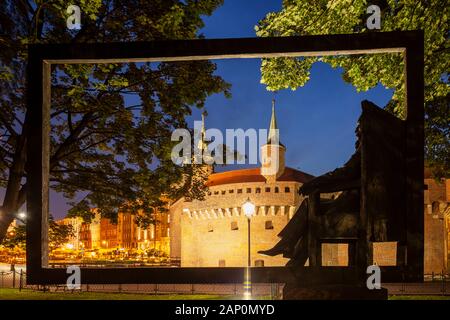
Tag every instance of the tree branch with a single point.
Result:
(7, 124)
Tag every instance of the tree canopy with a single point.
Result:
(58, 235)
(110, 123)
(315, 17)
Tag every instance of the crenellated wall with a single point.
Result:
(214, 232)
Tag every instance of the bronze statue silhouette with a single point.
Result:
(366, 208)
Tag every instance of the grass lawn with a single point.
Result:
(26, 294)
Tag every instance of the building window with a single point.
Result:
(152, 232)
(209, 193)
(269, 225)
(231, 191)
(277, 190)
(234, 225)
(221, 263)
(216, 192)
(259, 263)
(223, 191)
(239, 190)
(168, 232)
(258, 190)
(267, 189)
(249, 190)
(287, 190)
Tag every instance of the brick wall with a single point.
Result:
(204, 241)
(436, 233)
(201, 231)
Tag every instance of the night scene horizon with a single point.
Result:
(316, 122)
(225, 150)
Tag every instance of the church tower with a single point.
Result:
(207, 166)
(273, 152)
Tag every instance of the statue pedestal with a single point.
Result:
(332, 292)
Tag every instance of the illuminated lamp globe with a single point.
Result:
(249, 208)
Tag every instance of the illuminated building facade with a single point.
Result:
(437, 225)
(213, 232)
(125, 235)
(74, 241)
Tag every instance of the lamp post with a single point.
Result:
(21, 216)
(249, 210)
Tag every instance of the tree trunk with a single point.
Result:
(6, 218)
(15, 192)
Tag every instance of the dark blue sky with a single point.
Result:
(316, 122)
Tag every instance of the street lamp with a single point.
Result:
(21, 216)
(249, 210)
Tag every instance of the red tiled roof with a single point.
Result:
(254, 175)
(290, 174)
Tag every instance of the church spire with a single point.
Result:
(273, 152)
(202, 143)
(273, 129)
(203, 133)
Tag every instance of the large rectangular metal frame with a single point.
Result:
(41, 56)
